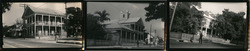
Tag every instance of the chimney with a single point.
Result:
(128, 14)
(122, 14)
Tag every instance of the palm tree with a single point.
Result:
(102, 15)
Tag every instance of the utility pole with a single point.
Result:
(150, 35)
(24, 23)
(172, 18)
(66, 14)
(65, 4)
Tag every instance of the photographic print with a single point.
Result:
(42, 25)
(208, 25)
(125, 25)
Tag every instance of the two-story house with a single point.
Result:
(129, 30)
(40, 22)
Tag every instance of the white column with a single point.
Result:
(206, 32)
(211, 33)
(126, 36)
(130, 36)
(32, 34)
(55, 26)
(61, 27)
(35, 26)
(134, 36)
(42, 26)
(49, 25)
(121, 36)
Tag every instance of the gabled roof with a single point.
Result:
(43, 11)
(130, 20)
(136, 19)
(208, 15)
(117, 23)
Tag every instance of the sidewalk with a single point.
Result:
(211, 39)
(38, 40)
(52, 40)
(71, 40)
(129, 47)
(181, 40)
(176, 44)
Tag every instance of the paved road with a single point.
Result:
(126, 47)
(35, 43)
(175, 44)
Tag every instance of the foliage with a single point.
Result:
(5, 30)
(102, 15)
(187, 18)
(95, 29)
(156, 10)
(5, 6)
(231, 25)
(74, 22)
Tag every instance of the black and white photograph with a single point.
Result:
(248, 37)
(125, 25)
(216, 25)
(42, 24)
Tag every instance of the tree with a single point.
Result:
(156, 10)
(74, 22)
(187, 18)
(5, 6)
(95, 29)
(102, 15)
(231, 25)
(5, 30)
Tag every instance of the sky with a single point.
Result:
(136, 10)
(16, 11)
(218, 7)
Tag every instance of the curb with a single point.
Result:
(183, 41)
(69, 42)
(188, 41)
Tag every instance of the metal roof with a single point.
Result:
(116, 23)
(45, 11)
(130, 20)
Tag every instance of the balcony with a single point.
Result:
(46, 23)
